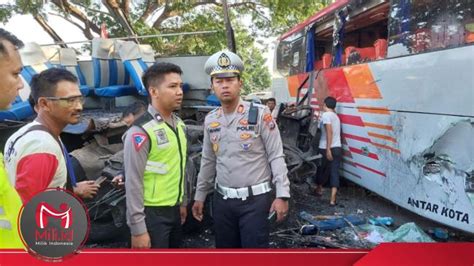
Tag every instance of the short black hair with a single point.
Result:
(45, 83)
(330, 102)
(271, 100)
(134, 109)
(157, 71)
(7, 36)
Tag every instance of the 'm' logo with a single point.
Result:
(44, 211)
(53, 225)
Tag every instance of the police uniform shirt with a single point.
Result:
(240, 155)
(136, 149)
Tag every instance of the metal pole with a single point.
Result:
(139, 37)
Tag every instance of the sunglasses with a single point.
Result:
(68, 101)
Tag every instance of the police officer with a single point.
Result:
(242, 150)
(154, 162)
(10, 84)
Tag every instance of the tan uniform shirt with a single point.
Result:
(135, 158)
(236, 154)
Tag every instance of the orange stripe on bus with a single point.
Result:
(387, 127)
(386, 147)
(293, 83)
(380, 136)
(361, 82)
(374, 110)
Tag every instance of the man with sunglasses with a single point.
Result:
(35, 157)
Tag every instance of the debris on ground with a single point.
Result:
(325, 222)
(439, 233)
(387, 221)
(408, 232)
(352, 200)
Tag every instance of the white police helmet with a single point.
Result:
(224, 64)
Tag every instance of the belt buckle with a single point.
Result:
(256, 190)
(241, 193)
(231, 193)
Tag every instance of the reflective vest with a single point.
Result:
(10, 204)
(164, 173)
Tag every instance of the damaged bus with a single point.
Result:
(402, 73)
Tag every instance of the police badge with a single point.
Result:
(161, 137)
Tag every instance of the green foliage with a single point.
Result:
(251, 20)
(287, 13)
(113, 28)
(6, 12)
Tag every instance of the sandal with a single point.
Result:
(318, 191)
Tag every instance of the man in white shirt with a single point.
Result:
(332, 153)
(271, 104)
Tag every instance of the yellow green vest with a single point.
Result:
(10, 204)
(165, 168)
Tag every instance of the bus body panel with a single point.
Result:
(408, 130)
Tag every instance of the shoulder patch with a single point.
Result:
(138, 140)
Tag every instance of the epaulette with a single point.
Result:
(213, 111)
(143, 119)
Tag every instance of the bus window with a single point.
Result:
(417, 26)
(366, 27)
(291, 55)
(283, 58)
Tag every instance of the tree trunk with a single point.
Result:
(118, 14)
(228, 28)
(150, 8)
(44, 24)
(77, 13)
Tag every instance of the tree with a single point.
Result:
(144, 17)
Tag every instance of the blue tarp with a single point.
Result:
(310, 51)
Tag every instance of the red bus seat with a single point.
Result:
(326, 60)
(318, 64)
(380, 48)
(366, 53)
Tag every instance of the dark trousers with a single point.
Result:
(329, 169)
(164, 226)
(242, 223)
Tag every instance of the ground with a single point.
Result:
(352, 199)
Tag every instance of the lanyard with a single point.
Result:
(70, 169)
